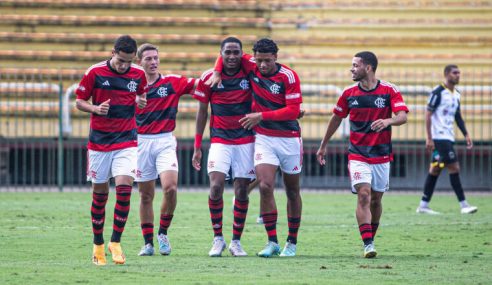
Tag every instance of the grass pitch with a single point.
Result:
(46, 238)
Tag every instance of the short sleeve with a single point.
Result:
(434, 101)
(397, 103)
(292, 89)
(84, 91)
(142, 87)
(203, 91)
(341, 109)
(185, 85)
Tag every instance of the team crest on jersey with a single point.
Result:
(244, 84)
(275, 89)
(380, 103)
(162, 91)
(132, 86)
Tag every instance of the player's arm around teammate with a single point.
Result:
(157, 147)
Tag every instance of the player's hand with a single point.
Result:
(103, 108)
(429, 145)
(196, 159)
(142, 101)
(214, 79)
(320, 155)
(379, 125)
(250, 120)
(301, 114)
(469, 143)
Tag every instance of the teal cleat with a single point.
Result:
(164, 245)
(289, 249)
(271, 248)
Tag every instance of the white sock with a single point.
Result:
(464, 204)
(424, 204)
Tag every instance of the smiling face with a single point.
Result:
(150, 62)
(266, 63)
(121, 61)
(231, 55)
(359, 69)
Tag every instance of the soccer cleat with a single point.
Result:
(469, 209)
(289, 249)
(369, 251)
(98, 255)
(117, 252)
(259, 220)
(218, 247)
(427, 210)
(164, 245)
(236, 249)
(271, 248)
(147, 250)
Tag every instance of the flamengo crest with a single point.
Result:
(162, 91)
(132, 86)
(275, 89)
(380, 102)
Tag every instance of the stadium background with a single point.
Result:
(46, 45)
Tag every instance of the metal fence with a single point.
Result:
(43, 137)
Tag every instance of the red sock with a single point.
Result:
(216, 207)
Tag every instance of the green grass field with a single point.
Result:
(46, 238)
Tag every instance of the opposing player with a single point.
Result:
(114, 86)
(370, 103)
(231, 146)
(276, 107)
(442, 110)
(157, 147)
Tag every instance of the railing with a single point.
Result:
(43, 137)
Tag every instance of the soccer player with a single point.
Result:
(157, 147)
(278, 143)
(442, 110)
(114, 86)
(370, 103)
(231, 145)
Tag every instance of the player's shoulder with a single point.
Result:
(171, 77)
(97, 66)
(389, 85)
(289, 74)
(438, 89)
(350, 89)
(137, 68)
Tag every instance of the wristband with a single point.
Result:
(198, 141)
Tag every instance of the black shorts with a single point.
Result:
(445, 152)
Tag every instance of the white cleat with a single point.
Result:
(236, 249)
(259, 220)
(218, 247)
(469, 209)
(370, 251)
(427, 210)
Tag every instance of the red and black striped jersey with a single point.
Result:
(229, 102)
(117, 129)
(365, 107)
(159, 116)
(271, 93)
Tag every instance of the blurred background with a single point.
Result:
(46, 46)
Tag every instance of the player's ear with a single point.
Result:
(113, 52)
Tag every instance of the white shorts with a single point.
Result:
(237, 158)
(377, 175)
(283, 152)
(156, 154)
(102, 165)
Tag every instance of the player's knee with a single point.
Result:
(266, 186)
(364, 198)
(453, 168)
(216, 191)
(146, 198)
(292, 194)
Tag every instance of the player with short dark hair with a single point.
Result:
(157, 147)
(231, 145)
(278, 143)
(444, 107)
(114, 87)
(369, 103)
